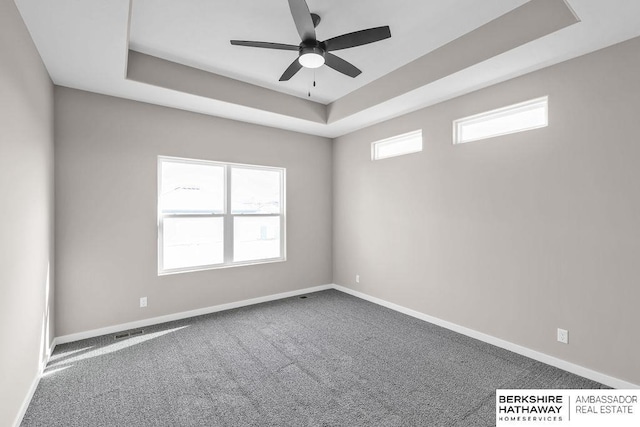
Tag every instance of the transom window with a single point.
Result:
(528, 115)
(213, 214)
(398, 145)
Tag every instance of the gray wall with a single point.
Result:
(26, 211)
(106, 184)
(514, 236)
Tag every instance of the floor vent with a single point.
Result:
(129, 334)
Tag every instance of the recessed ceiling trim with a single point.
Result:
(128, 37)
(171, 75)
(531, 21)
(524, 24)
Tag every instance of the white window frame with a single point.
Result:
(228, 217)
(501, 112)
(410, 137)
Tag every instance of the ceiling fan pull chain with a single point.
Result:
(314, 83)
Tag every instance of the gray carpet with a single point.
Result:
(326, 360)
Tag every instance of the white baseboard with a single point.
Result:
(533, 354)
(54, 343)
(34, 385)
(524, 351)
(183, 315)
(27, 400)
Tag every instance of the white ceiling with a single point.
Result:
(84, 45)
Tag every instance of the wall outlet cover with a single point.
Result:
(563, 336)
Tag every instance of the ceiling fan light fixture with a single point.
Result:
(311, 57)
(311, 60)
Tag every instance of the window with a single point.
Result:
(527, 115)
(397, 145)
(213, 214)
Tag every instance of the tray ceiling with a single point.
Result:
(177, 53)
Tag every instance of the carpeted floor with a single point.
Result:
(326, 360)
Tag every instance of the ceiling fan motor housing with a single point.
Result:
(312, 46)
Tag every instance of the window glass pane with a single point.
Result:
(499, 125)
(189, 188)
(255, 191)
(192, 242)
(398, 145)
(515, 118)
(256, 238)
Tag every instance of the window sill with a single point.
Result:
(219, 266)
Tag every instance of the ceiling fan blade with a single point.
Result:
(302, 19)
(358, 38)
(291, 71)
(341, 65)
(266, 45)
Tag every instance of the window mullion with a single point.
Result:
(228, 219)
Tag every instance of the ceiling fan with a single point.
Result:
(313, 53)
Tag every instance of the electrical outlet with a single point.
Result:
(563, 336)
(357, 278)
(143, 302)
